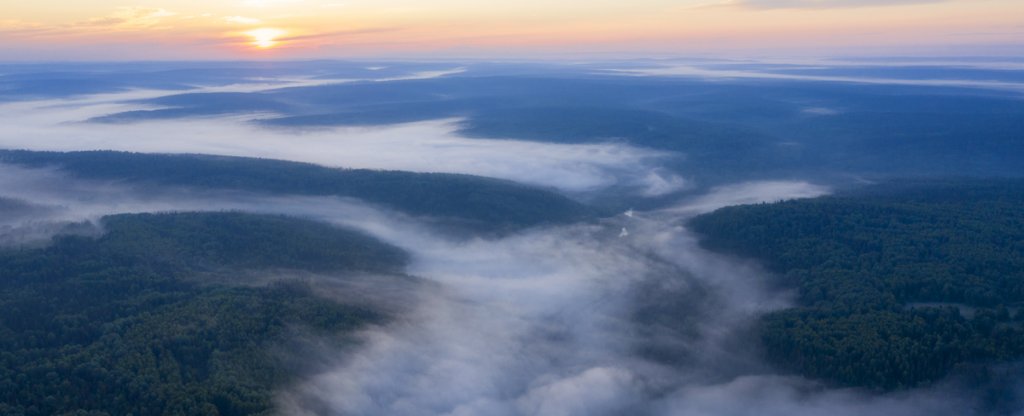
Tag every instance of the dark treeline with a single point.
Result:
(134, 322)
(477, 202)
(899, 284)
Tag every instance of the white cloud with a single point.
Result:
(242, 20)
(130, 17)
(269, 3)
(823, 4)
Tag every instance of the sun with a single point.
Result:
(265, 38)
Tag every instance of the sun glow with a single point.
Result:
(265, 38)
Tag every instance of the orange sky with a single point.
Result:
(254, 29)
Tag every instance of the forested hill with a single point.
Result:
(198, 241)
(128, 323)
(481, 203)
(899, 284)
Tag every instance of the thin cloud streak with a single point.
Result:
(707, 73)
(824, 4)
(339, 34)
(128, 17)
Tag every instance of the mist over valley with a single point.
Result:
(467, 237)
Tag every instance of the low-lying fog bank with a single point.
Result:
(427, 146)
(586, 320)
(624, 316)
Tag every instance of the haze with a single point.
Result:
(282, 29)
(551, 208)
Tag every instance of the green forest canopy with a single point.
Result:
(899, 284)
(124, 323)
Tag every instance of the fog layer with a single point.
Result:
(571, 320)
(561, 321)
(718, 73)
(429, 146)
(625, 315)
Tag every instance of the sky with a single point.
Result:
(47, 30)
